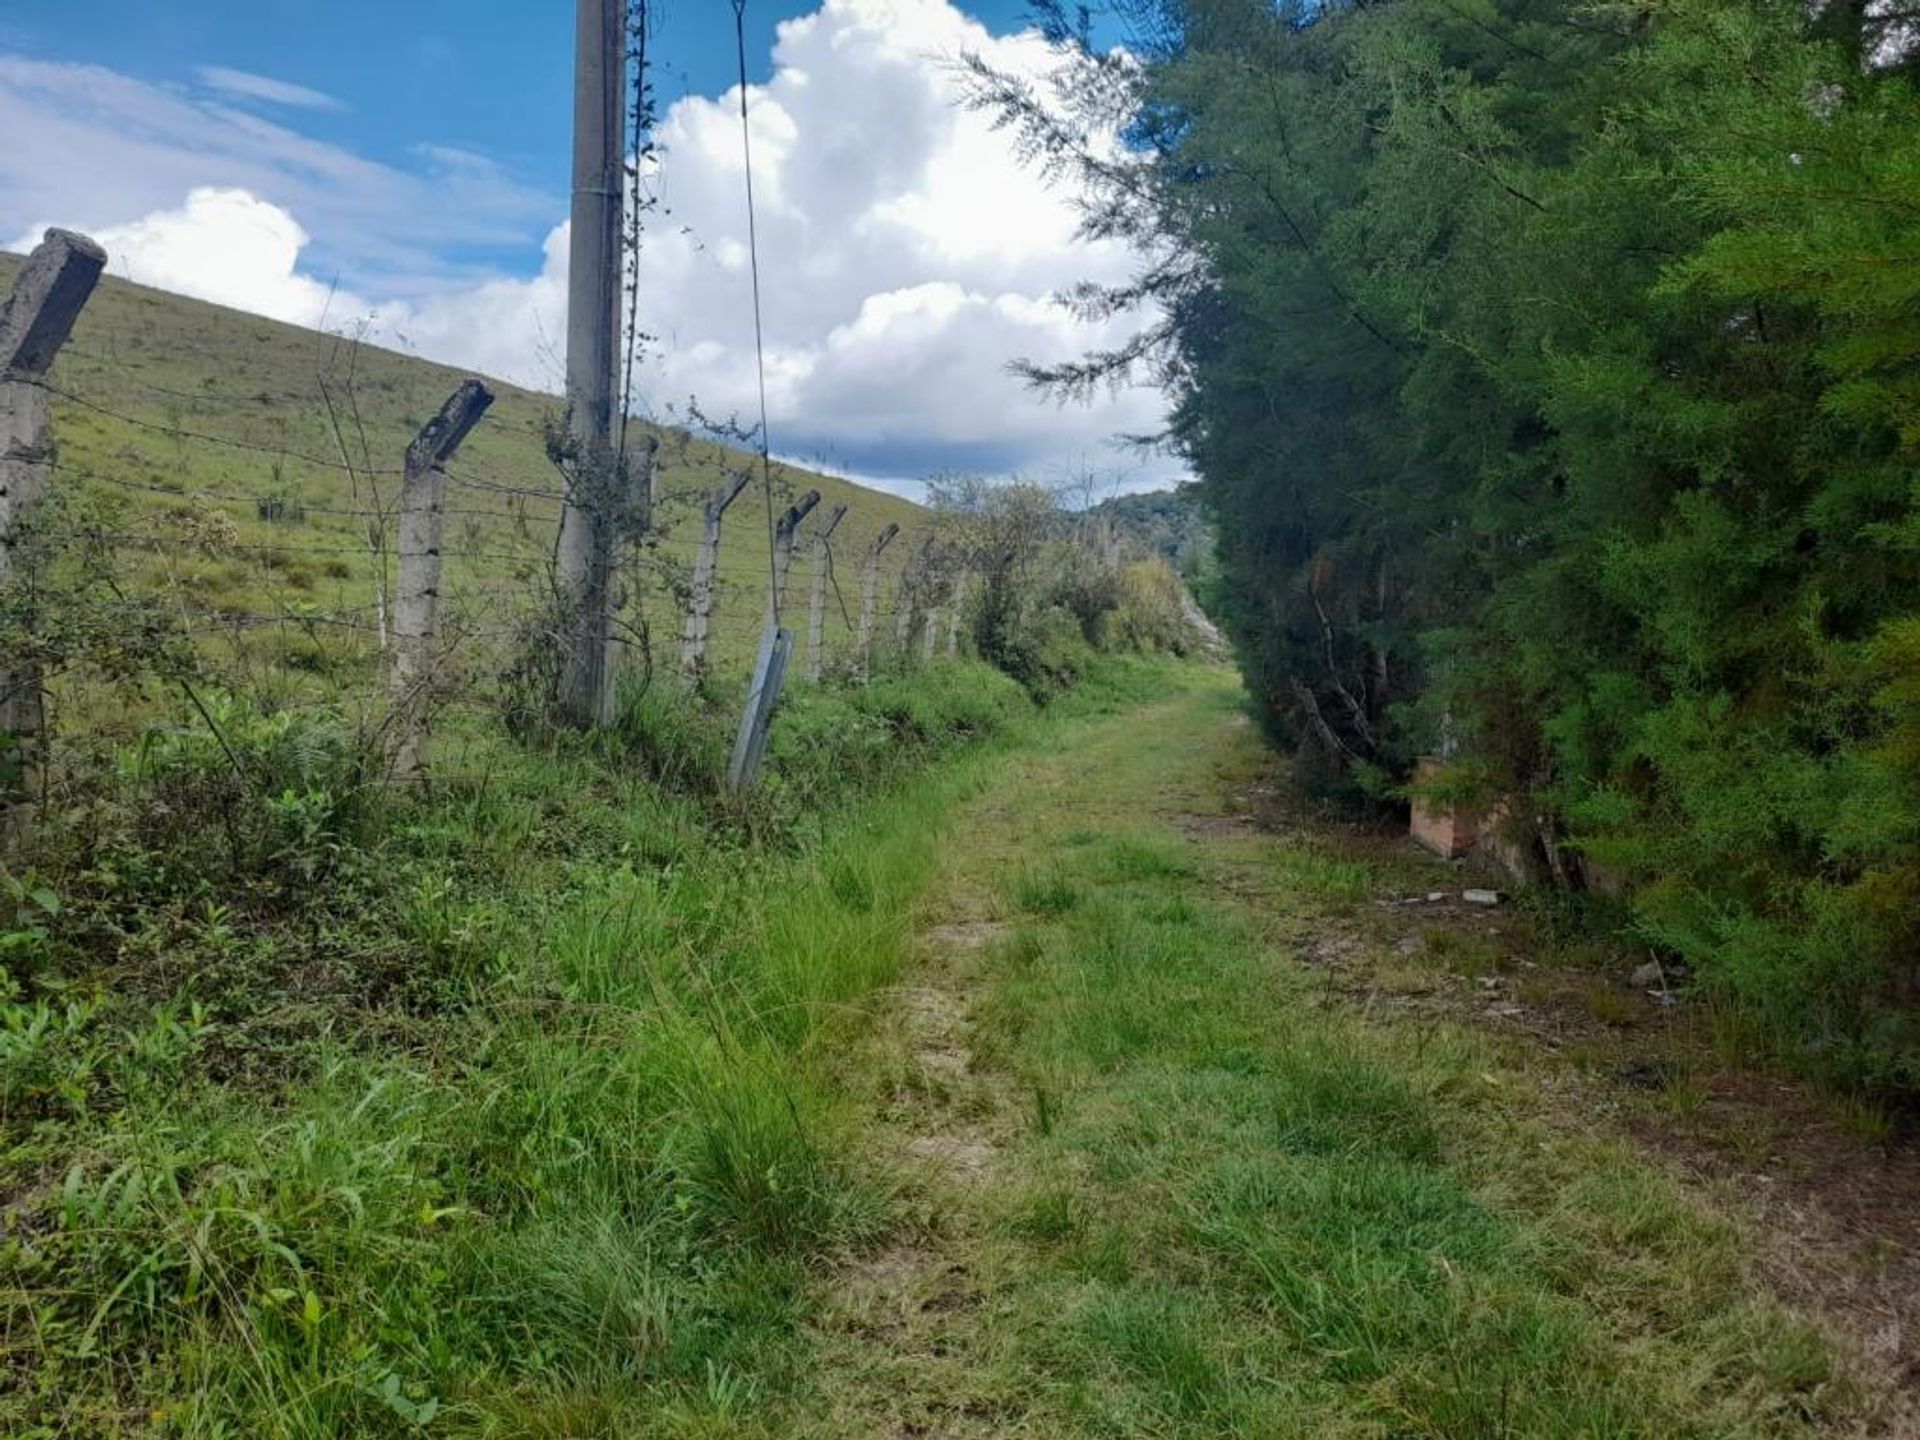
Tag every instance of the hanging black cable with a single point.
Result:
(759, 333)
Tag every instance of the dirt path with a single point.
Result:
(904, 1318)
(908, 1330)
(1183, 1146)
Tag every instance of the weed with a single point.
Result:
(1611, 1005)
(1315, 876)
(1135, 858)
(1462, 953)
(1155, 1338)
(29, 909)
(1045, 892)
(1047, 1213)
(1865, 1118)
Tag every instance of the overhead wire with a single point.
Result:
(759, 330)
(294, 503)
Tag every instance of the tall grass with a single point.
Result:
(572, 1172)
(1244, 1210)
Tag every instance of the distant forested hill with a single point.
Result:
(1168, 523)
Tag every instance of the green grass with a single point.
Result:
(564, 1109)
(1307, 872)
(1242, 1210)
(524, 1120)
(453, 1218)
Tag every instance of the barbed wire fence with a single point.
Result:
(270, 548)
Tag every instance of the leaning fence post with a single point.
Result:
(817, 601)
(693, 639)
(35, 322)
(769, 673)
(783, 538)
(955, 607)
(416, 607)
(776, 681)
(870, 596)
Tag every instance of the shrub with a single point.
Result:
(279, 794)
(676, 740)
(1150, 611)
(831, 742)
(1592, 466)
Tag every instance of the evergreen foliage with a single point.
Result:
(1552, 374)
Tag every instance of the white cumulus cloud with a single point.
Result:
(228, 246)
(107, 149)
(907, 257)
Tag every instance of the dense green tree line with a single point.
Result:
(1552, 374)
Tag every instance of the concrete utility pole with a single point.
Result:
(34, 323)
(590, 522)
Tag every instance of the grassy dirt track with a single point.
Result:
(1158, 1178)
(1030, 1080)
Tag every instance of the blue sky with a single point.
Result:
(491, 77)
(413, 153)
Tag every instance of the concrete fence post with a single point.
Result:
(416, 609)
(910, 609)
(763, 694)
(784, 534)
(822, 557)
(35, 323)
(693, 638)
(870, 596)
(955, 609)
(929, 633)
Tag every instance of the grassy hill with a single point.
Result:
(243, 473)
